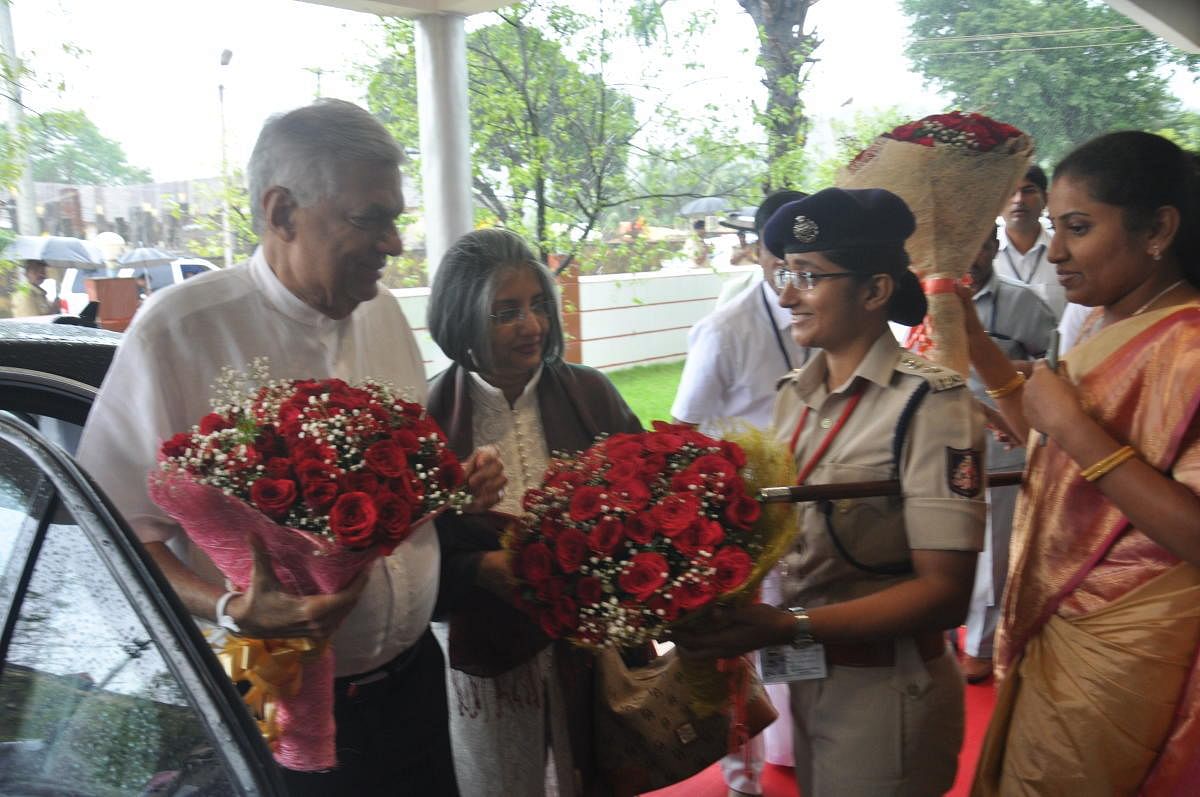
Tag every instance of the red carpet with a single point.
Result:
(778, 781)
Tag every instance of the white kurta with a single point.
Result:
(161, 383)
(498, 726)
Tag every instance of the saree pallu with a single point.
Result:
(1097, 634)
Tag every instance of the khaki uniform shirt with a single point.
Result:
(940, 470)
(31, 300)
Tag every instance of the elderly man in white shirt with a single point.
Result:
(736, 355)
(1025, 243)
(325, 183)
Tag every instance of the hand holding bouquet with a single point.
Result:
(954, 171)
(321, 478)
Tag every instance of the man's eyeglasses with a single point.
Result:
(512, 315)
(804, 280)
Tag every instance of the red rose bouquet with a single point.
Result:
(642, 531)
(954, 171)
(325, 478)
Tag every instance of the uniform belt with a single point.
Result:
(930, 645)
(350, 684)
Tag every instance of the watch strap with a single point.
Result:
(223, 618)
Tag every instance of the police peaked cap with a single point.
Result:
(836, 218)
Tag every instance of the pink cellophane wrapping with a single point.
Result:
(222, 526)
(955, 194)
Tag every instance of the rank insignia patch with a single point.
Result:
(964, 475)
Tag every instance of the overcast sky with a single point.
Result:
(148, 70)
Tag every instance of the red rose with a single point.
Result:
(268, 441)
(359, 481)
(589, 590)
(924, 141)
(551, 627)
(450, 473)
(279, 468)
(623, 469)
(395, 518)
(704, 534)
(353, 519)
(387, 459)
(410, 409)
(409, 487)
(551, 527)
(664, 609)
(714, 466)
(550, 591)
(652, 465)
(585, 503)
(177, 445)
(606, 535)
(743, 511)
(675, 513)
(273, 497)
(535, 563)
(566, 613)
(310, 470)
(638, 530)
(693, 594)
(734, 453)
(214, 422)
(687, 481)
(629, 495)
(678, 428)
(407, 441)
(565, 479)
(732, 489)
(643, 575)
(620, 447)
(320, 495)
(666, 442)
(570, 549)
(733, 566)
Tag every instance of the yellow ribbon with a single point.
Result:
(273, 668)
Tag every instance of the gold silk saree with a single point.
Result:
(1101, 627)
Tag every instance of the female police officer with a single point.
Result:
(870, 583)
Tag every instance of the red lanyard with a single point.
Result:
(809, 466)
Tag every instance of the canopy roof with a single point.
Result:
(412, 8)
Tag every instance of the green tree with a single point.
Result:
(210, 243)
(67, 147)
(851, 136)
(785, 54)
(1184, 130)
(1064, 71)
(558, 153)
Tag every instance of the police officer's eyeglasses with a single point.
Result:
(804, 280)
(512, 315)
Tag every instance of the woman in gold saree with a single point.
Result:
(1097, 649)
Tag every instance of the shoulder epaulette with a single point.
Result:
(788, 377)
(939, 378)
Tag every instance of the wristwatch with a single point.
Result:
(802, 632)
(223, 618)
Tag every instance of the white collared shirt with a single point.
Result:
(517, 433)
(160, 383)
(735, 356)
(1032, 268)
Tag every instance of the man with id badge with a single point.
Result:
(869, 584)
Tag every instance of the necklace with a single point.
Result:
(1157, 296)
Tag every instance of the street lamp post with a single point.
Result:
(226, 231)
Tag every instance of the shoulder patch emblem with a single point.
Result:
(939, 378)
(964, 476)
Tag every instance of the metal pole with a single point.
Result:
(27, 223)
(803, 493)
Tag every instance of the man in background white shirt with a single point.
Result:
(325, 183)
(1025, 243)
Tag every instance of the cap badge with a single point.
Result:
(805, 230)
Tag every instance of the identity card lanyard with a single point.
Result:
(778, 338)
(1037, 264)
(785, 663)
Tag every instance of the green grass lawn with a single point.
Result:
(649, 389)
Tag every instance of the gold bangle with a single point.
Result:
(1109, 463)
(1011, 386)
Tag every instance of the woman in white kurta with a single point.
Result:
(520, 723)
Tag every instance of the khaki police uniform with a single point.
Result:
(888, 717)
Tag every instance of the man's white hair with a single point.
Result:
(301, 150)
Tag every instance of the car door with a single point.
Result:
(106, 685)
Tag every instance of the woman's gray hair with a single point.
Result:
(460, 302)
(301, 150)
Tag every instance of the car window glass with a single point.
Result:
(19, 480)
(87, 703)
(191, 271)
(80, 286)
(160, 276)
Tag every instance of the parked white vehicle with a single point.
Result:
(74, 296)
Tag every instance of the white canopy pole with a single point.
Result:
(441, 55)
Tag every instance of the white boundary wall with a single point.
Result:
(625, 319)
